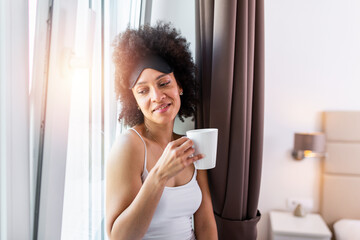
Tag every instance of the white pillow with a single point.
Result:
(347, 229)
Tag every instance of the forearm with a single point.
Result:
(134, 221)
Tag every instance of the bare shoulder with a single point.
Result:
(128, 148)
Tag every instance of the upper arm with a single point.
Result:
(123, 176)
(204, 219)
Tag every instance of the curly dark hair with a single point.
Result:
(162, 40)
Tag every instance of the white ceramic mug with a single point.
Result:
(205, 142)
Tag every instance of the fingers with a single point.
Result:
(178, 142)
(186, 145)
(181, 145)
(179, 154)
(189, 152)
(193, 159)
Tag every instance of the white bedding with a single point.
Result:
(347, 229)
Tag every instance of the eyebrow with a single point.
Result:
(161, 75)
(157, 78)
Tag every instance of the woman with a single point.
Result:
(153, 189)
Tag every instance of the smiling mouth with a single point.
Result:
(162, 107)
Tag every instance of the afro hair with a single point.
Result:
(162, 40)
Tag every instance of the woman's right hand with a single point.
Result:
(177, 155)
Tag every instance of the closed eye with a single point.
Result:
(141, 91)
(163, 84)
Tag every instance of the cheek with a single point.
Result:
(143, 102)
(137, 100)
(178, 98)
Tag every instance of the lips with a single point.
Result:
(162, 107)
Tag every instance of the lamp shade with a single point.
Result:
(314, 142)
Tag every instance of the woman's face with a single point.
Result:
(158, 96)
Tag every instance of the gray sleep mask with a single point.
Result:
(150, 61)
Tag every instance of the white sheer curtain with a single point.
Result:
(14, 121)
(74, 113)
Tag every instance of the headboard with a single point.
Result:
(341, 174)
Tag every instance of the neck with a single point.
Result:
(163, 134)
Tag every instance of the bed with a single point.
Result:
(340, 200)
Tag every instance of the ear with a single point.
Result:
(180, 88)
(179, 85)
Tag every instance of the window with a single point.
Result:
(77, 114)
(73, 108)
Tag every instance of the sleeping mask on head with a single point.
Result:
(150, 61)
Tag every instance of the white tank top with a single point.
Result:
(172, 219)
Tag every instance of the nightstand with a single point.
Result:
(286, 226)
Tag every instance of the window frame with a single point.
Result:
(62, 15)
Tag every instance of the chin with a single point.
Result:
(165, 119)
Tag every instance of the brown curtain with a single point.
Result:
(230, 58)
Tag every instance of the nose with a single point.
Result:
(157, 95)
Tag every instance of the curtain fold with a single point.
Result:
(231, 64)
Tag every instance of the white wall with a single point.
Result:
(312, 61)
(181, 13)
